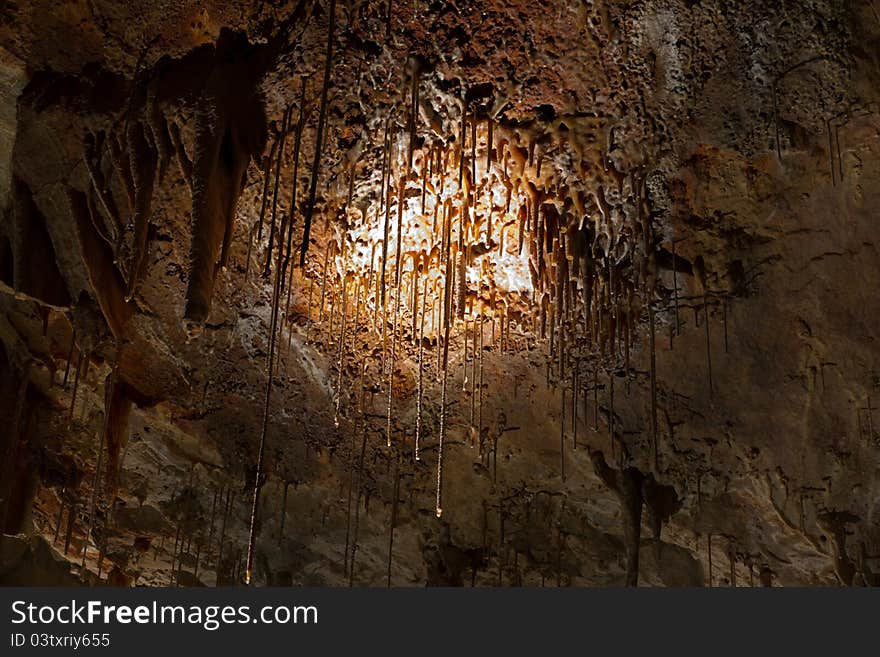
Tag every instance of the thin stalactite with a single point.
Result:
(420, 384)
(267, 178)
(357, 508)
(230, 498)
(82, 363)
(285, 128)
(286, 272)
(393, 523)
(283, 513)
(109, 384)
(60, 515)
(341, 360)
(319, 135)
(391, 369)
(273, 326)
(653, 362)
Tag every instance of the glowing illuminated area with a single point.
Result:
(425, 216)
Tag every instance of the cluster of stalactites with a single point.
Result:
(542, 232)
(542, 235)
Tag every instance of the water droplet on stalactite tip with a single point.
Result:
(439, 512)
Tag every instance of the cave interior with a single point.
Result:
(440, 293)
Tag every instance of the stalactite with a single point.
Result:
(675, 289)
(351, 471)
(574, 400)
(708, 347)
(462, 133)
(267, 178)
(109, 384)
(413, 299)
(831, 151)
(230, 498)
(393, 523)
(562, 433)
(69, 358)
(98, 224)
(424, 191)
(283, 512)
(313, 186)
(183, 160)
(157, 127)
(217, 492)
(71, 521)
(81, 363)
(175, 553)
(611, 411)
(473, 183)
(252, 536)
(383, 189)
(731, 556)
(143, 169)
(413, 114)
(334, 306)
(183, 550)
(653, 362)
(230, 128)
(473, 380)
(464, 358)
(287, 259)
(99, 184)
(198, 558)
(391, 368)
(438, 307)
(357, 509)
(709, 551)
(107, 284)
(357, 312)
(480, 398)
(328, 252)
(60, 516)
(385, 233)
(308, 314)
(282, 138)
(438, 505)
(461, 281)
(489, 143)
(445, 374)
(724, 321)
(398, 260)
(122, 166)
(420, 391)
(341, 360)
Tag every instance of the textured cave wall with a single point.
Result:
(755, 128)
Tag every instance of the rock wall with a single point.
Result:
(683, 394)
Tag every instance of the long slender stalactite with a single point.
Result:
(319, 135)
